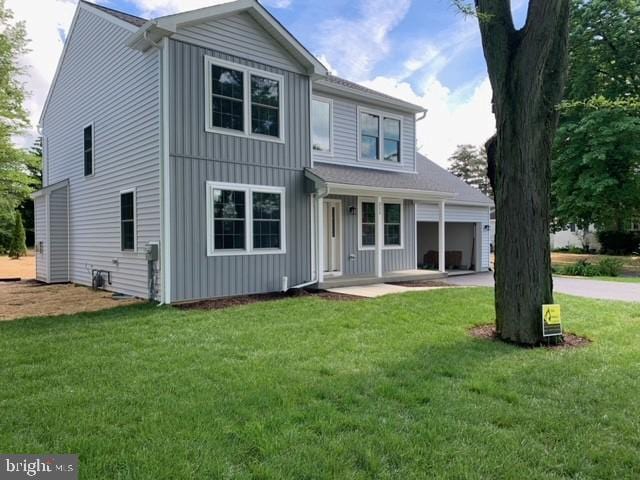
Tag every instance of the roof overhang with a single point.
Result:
(153, 31)
(51, 188)
(370, 97)
(332, 188)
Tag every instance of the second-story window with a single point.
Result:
(227, 90)
(321, 113)
(243, 101)
(380, 136)
(265, 106)
(370, 136)
(88, 150)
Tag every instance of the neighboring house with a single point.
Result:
(208, 154)
(574, 237)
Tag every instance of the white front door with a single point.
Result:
(333, 237)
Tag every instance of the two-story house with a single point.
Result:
(209, 154)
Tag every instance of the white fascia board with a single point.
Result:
(359, 95)
(400, 193)
(48, 189)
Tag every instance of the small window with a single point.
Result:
(244, 219)
(266, 220)
(227, 90)
(265, 106)
(88, 150)
(128, 220)
(393, 224)
(368, 224)
(321, 113)
(370, 136)
(392, 140)
(229, 215)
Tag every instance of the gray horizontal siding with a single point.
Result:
(345, 135)
(59, 236)
(241, 36)
(194, 274)
(197, 156)
(103, 81)
(40, 208)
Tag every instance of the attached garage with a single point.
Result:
(51, 205)
(466, 237)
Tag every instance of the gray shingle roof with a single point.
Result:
(430, 177)
(132, 19)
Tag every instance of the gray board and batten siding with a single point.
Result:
(103, 82)
(197, 156)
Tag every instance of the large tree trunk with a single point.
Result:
(527, 69)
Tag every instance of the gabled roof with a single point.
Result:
(152, 31)
(132, 19)
(430, 179)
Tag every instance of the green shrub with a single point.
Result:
(17, 247)
(610, 267)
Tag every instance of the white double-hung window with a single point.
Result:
(245, 219)
(379, 136)
(392, 224)
(243, 101)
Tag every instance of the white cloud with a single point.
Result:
(46, 21)
(158, 8)
(354, 46)
(454, 117)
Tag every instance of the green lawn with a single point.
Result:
(607, 279)
(308, 388)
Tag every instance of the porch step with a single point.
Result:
(404, 276)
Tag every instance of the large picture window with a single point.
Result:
(243, 101)
(380, 136)
(321, 127)
(244, 219)
(128, 220)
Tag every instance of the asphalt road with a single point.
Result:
(628, 292)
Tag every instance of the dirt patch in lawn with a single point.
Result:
(35, 299)
(24, 268)
(422, 283)
(630, 263)
(221, 303)
(488, 332)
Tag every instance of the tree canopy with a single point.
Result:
(596, 166)
(470, 164)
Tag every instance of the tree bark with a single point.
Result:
(527, 69)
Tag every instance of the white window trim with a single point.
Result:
(402, 224)
(384, 202)
(362, 200)
(135, 219)
(93, 149)
(247, 72)
(248, 191)
(329, 101)
(381, 115)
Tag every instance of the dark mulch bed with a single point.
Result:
(422, 283)
(221, 303)
(488, 332)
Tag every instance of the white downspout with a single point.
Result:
(441, 239)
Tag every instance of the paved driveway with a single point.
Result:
(629, 292)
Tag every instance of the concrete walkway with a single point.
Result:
(378, 290)
(628, 292)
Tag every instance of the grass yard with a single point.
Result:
(309, 388)
(630, 264)
(608, 279)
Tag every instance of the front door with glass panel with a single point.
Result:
(333, 237)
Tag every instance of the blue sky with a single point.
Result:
(424, 51)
